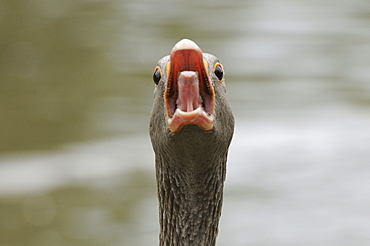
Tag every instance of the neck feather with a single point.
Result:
(190, 199)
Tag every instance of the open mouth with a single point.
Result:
(189, 94)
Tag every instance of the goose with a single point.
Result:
(191, 127)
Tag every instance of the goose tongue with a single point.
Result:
(188, 88)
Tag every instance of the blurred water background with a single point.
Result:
(76, 165)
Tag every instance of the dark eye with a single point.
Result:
(157, 75)
(219, 71)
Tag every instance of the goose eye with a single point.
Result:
(219, 71)
(157, 75)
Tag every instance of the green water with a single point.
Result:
(76, 166)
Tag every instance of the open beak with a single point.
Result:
(189, 94)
